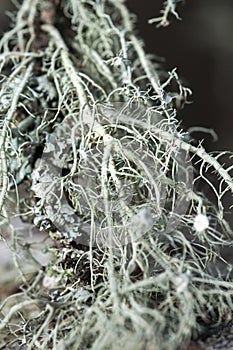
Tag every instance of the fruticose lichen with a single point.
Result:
(89, 127)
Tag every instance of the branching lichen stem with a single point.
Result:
(6, 125)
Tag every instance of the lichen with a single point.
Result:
(89, 124)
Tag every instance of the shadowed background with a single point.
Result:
(201, 47)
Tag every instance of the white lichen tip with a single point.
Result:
(118, 61)
(201, 222)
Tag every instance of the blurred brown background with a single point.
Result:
(201, 47)
(5, 5)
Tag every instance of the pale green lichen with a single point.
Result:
(127, 173)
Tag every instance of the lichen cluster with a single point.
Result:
(89, 126)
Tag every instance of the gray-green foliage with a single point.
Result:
(67, 63)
